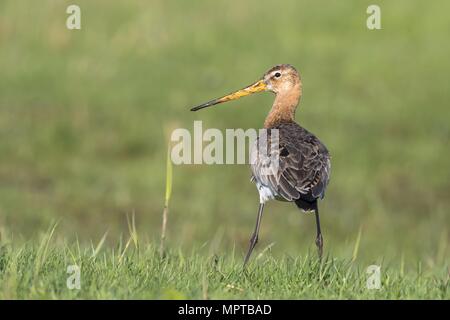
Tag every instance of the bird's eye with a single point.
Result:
(277, 75)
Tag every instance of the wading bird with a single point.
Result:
(303, 169)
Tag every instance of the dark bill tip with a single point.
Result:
(205, 105)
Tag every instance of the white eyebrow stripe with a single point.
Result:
(275, 72)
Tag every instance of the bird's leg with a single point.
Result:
(319, 239)
(254, 238)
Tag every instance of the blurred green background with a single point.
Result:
(85, 117)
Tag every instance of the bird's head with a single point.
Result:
(279, 79)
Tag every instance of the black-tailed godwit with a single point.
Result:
(303, 169)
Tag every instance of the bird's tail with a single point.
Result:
(306, 205)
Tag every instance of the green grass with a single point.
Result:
(85, 115)
(139, 272)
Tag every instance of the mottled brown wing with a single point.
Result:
(303, 168)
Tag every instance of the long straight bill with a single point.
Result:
(253, 88)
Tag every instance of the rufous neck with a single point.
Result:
(284, 106)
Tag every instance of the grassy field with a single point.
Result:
(84, 123)
(130, 271)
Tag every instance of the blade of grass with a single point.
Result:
(166, 201)
(261, 254)
(356, 247)
(43, 249)
(99, 245)
(132, 230)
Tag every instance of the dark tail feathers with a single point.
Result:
(306, 205)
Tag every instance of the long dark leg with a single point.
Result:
(319, 239)
(254, 238)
